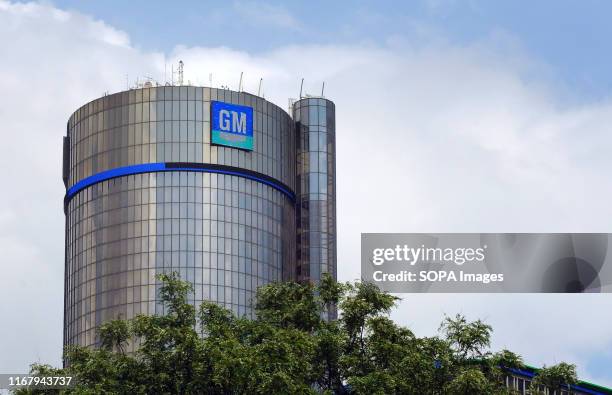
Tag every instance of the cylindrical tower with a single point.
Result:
(189, 179)
(316, 188)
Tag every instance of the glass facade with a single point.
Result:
(225, 232)
(172, 124)
(316, 188)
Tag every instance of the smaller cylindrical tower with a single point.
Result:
(316, 188)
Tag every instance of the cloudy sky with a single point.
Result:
(452, 116)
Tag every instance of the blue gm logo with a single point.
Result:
(232, 125)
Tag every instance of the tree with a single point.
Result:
(467, 339)
(554, 378)
(471, 381)
(289, 348)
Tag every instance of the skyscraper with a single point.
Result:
(223, 187)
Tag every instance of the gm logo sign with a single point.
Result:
(232, 125)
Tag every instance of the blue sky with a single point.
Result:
(570, 36)
(452, 116)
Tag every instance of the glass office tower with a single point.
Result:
(316, 198)
(147, 191)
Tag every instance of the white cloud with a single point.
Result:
(435, 138)
(52, 62)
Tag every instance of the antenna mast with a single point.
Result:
(180, 72)
(301, 86)
(240, 83)
(259, 89)
(323, 89)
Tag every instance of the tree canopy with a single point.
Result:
(288, 348)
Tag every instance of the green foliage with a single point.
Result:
(508, 359)
(288, 305)
(467, 339)
(554, 377)
(288, 348)
(493, 367)
(470, 381)
(114, 335)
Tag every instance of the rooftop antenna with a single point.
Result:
(259, 89)
(240, 83)
(301, 86)
(180, 72)
(323, 89)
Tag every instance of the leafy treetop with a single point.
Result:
(288, 348)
